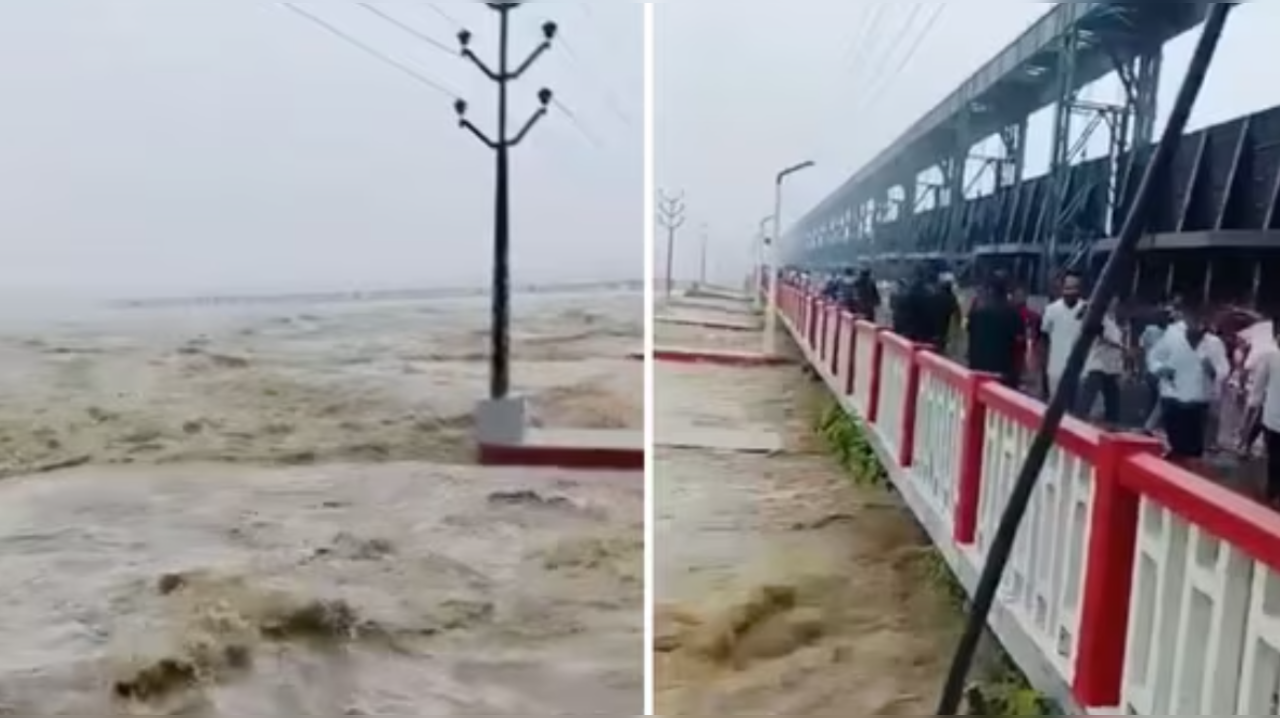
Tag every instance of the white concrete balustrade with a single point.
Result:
(895, 366)
(865, 351)
(1043, 582)
(940, 419)
(1170, 605)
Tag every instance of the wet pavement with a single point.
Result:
(781, 587)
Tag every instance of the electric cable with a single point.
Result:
(577, 123)
(609, 97)
(870, 12)
(912, 51)
(435, 7)
(861, 47)
(433, 84)
(1116, 269)
(409, 29)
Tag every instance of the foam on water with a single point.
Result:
(275, 515)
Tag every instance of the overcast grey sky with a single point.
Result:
(745, 93)
(160, 146)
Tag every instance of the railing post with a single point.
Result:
(822, 330)
(811, 326)
(877, 366)
(834, 364)
(973, 439)
(1108, 573)
(907, 445)
(851, 321)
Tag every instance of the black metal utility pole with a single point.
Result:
(500, 329)
(671, 218)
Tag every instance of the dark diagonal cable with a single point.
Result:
(368, 49)
(410, 29)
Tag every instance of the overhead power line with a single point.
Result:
(435, 7)
(863, 48)
(577, 123)
(409, 29)
(889, 81)
(574, 119)
(370, 50)
(609, 97)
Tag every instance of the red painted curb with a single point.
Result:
(696, 356)
(563, 457)
(700, 324)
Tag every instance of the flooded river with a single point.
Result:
(270, 512)
(785, 589)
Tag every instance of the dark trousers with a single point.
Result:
(1272, 439)
(1184, 428)
(1108, 386)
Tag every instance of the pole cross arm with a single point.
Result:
(528, 63)
(533, 120)
(479, 134)
(475, 60)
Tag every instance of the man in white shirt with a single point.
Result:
(1264, 404)
(1103, 371)
(1189, 362)
(1060, 328)
(1151, 336)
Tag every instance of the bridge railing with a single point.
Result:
(1144, 588)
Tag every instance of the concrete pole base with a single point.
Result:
(502, 422)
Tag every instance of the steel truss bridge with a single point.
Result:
(1216, 229)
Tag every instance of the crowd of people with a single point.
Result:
(1188, 367)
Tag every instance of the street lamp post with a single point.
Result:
(771, 258)
(757, 270)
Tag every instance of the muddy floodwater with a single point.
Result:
(782, 588)
(271, 511)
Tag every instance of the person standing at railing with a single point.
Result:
(1061, 327)
(831, 288)
(840, 288)
(1264, 407)
(996, 334)
(867, 296)
(1029, 343)
(912, 309)
(943, 310)
(1104, 370)
(1189, 362)
(1147, 341)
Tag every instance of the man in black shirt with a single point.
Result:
(913, 310)
(866, 295)
(995, 332)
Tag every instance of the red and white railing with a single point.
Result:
(1145, 589)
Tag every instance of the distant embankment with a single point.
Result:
(379, 295)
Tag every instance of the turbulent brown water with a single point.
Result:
(789, 591)
(274, 515)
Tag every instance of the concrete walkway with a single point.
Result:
(781, 588)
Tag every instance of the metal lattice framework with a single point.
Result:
(896, 210)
